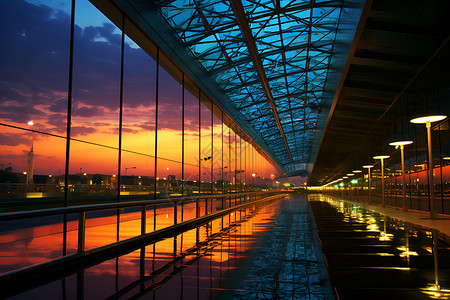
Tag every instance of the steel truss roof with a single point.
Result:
(271, 58)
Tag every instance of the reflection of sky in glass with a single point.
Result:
(34, 84)
(221, 253)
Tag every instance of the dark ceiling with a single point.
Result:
(395, 40)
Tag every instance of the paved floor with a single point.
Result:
(373, 257)
(442, 223)
(289, 263)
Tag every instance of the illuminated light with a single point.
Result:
(231, 214)
(446, 158)
(406, 252)
(34, 195)
(400, 143)
(341, 184)
(385, 237)
(354, 181)
(350, 174)
(164, 178)
(429, 249)
(158, 179)
(167, 169)
(425, 119)
(345, 177)
(357, 171)
(385, 254)
(50, 175)
(253, 174)
(24, 173)
(194, 180)
(139, 177)
(368, 166)
(31, 123)
(167, 216)
(84, 174)
(436, 292)
(381, 157)
(114, 175)
(373, 227)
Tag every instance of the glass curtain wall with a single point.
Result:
(139, 127)
(427, 94)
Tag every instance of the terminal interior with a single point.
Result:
(206, 149)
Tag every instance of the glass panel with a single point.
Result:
(138, 127)
(226, 158)
(217, 150)
(191, 143)
(232, 160)
(93, 177)
(239, 169)
(206, 141)
(32, 168)
(169, 134)
(96, 82)
(95, 105)
(34, 64)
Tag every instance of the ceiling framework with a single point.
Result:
(397, 40)
(271, 59)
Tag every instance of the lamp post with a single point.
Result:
(428, 120)
(357, 184)
(126, 169)
(254, 175)
(30, 160)
(368, 167)
(350, 192)
(402, 144)
(382, 157)
(342, 185)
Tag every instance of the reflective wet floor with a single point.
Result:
(273, 251)
(262, 252)
(375, 257)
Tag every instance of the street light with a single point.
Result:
(428, 120)
(357, 183)
(368, 167)
(126, 169)
(30, 160)
(402, 144)
(382, 157)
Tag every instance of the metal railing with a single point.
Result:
(33, 276)
(222, 201)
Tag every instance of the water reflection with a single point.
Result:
(192, 265)
(371, 253)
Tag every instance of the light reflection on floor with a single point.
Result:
(193, 265)
(32, 245)
(380, 257)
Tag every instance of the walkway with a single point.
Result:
(288, 263)
(442, 223)
(374, 256)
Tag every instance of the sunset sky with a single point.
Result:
(34, 85)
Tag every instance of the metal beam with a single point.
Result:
(239, 13)
(316, 46)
